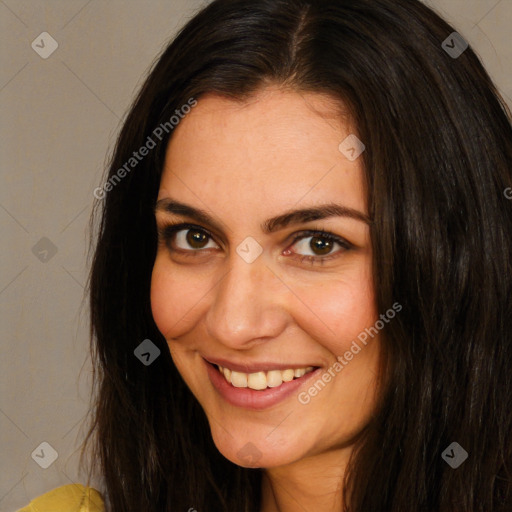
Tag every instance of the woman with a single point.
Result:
(301, 290)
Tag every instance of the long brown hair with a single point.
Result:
(437, 162)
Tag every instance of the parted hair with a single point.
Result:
(438, 159)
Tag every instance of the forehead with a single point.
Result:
(279, 147)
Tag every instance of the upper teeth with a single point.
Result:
(262, 380)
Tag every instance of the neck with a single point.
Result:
(310, 484)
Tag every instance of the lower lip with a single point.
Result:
(250, 398)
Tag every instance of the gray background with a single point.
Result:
(60, 117)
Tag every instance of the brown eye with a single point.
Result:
(186, 238)
(321, 245)
(192, 239)
(317, 247)
(196, 238)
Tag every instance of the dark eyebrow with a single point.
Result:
(290, 217)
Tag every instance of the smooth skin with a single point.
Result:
(243, 163)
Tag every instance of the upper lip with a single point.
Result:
(254, 367)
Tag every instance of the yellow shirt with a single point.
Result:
(68, 498)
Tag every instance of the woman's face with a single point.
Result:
(251, 287)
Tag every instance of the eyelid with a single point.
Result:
(322, 233)
(313, 259)
(169, 230)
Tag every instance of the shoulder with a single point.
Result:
(68, 498)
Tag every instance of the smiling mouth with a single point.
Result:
(262, 380)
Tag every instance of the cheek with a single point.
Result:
(175, 297)
(339, 309)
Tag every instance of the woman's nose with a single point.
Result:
(247, 305)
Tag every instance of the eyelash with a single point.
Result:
(167, 232)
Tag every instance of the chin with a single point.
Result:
(254, 448)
